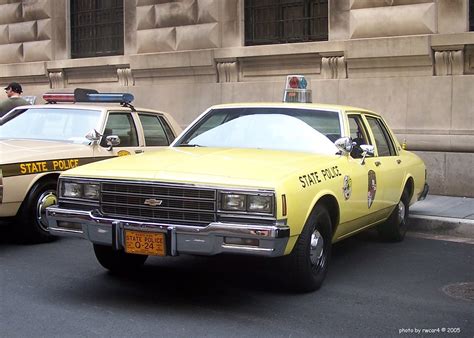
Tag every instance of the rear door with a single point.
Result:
(156, 130)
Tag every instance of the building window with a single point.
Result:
(471, 15)
(284, 21)
(96, 28)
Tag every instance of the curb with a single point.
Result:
(445, 226)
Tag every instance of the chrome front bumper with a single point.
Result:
(183, 239)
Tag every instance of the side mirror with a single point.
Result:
(344, 144)
(112, 141)
(93, 135)
(368, 149)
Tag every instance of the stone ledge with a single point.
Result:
(447, 41)
(23, 69)
(445, 142)
(118, 60)
(197, 58)
(327, 47)
(389, 47)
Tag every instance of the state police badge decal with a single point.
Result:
(372, 189)
(347, 187)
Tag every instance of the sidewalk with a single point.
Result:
(443, 215)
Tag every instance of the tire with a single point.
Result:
(33, 226)
(395, 227)
(118, 261)
(307, 264)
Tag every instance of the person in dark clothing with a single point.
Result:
(14, 99)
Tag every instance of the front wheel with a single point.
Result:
(395, 227)
(118, 261)
(33, 225)
(307, 264)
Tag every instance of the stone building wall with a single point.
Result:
(410, 60)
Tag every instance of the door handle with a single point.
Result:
(138, 151)
(399, 161)
(377, 163)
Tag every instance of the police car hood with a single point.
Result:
(23, 150)
(206, 165)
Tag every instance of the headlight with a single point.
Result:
(91, 191)
(260, 204)
(82, 190)
(255, 203)
(234, 202)
(71, 189)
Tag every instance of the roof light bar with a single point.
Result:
(88, 95)
(58, 97)
(111, 97)
(296, 89)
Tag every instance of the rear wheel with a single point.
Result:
(307, 264)
(33, 225)
(118, 261)
(395, 227)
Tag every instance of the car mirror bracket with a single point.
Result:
(112, 141)
(367, 150)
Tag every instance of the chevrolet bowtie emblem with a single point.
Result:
(152, 202)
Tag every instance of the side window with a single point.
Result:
(121, 125)
(270, 21)
(97, 28)
(358, 132)
(168, 130)
(155, 134)
(358, 135)
(471, 15)
(383, 141)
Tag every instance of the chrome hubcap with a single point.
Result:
(401, 213)
(316, 247)
(46, 199)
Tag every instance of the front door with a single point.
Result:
(120, 124)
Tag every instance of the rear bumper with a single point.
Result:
(424, 193)
(216, 238)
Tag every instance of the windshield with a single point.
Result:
(55, 124)
(266, 128)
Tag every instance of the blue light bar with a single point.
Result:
(92, 95)
(111, 97)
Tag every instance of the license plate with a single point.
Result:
(145, 243)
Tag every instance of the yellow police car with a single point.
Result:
(38, 142)
(265, 179)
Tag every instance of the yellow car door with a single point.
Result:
(388, 162)
(366, 202)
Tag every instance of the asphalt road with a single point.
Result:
(373, 289)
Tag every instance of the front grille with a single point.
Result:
(177, 204)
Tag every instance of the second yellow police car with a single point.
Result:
(265, 179)
(38, 142)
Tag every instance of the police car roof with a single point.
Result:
(89, 106)
(316, 106)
